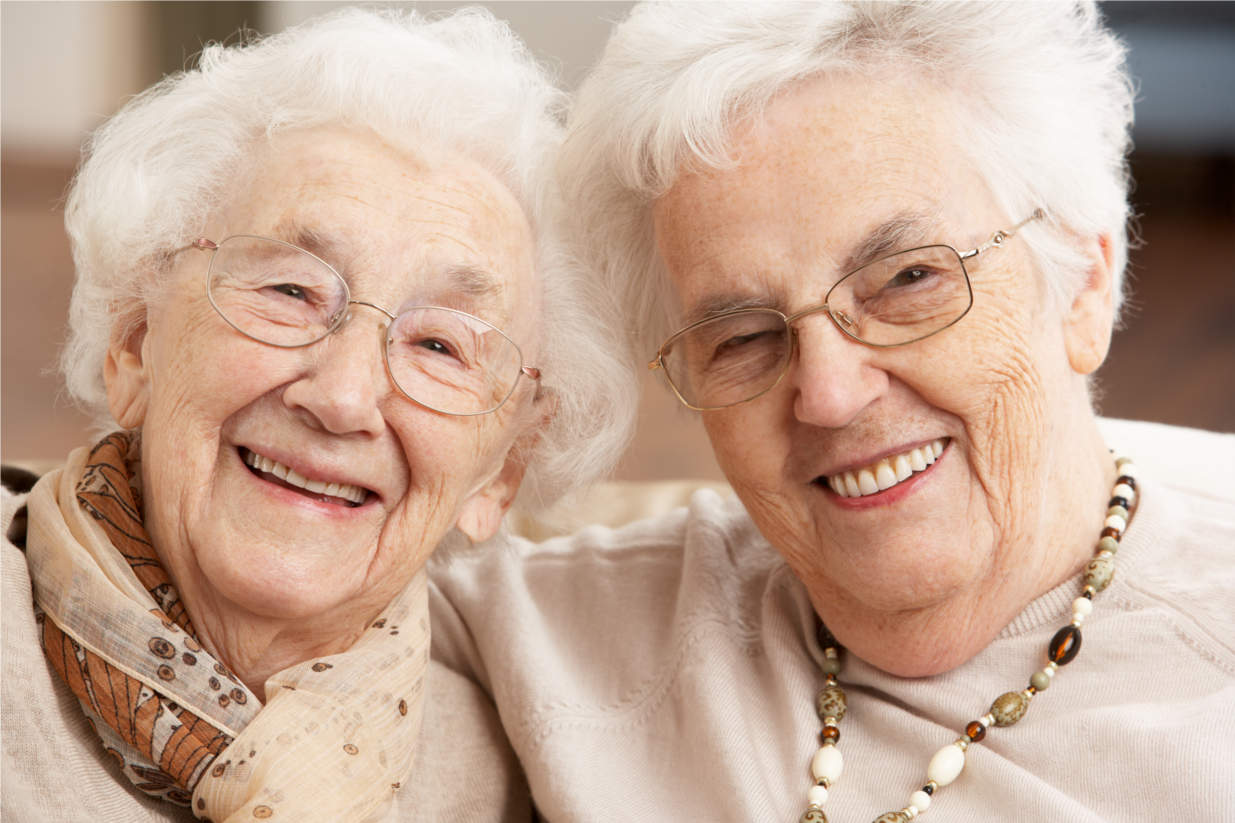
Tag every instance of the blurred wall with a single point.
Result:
(65, 66)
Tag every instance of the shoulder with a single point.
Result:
(1188, 459)
(1189, 475)
(55, 769)
(630, 594)
(639, 562)
(1176, 558)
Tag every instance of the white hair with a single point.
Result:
(1046, 104)
(155, 172)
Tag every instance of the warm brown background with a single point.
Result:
(1174, 362)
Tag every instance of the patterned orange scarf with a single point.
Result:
(337, 735)
(175, 745)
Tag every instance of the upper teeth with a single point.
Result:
(290, 476)
(886, 473)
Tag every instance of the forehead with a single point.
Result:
(401, 227)
(830, 166)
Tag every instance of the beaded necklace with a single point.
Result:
(1007, 709)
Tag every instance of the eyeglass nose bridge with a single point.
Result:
(345, 313)
(839, 318)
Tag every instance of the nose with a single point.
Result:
(344, 378)
(833, 374)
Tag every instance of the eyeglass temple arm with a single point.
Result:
(200, 244)
(998, 237)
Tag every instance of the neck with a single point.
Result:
(255, 647)
(1050, 548)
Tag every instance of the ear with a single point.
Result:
(124, 373)
(481, 513)
(1090, 318)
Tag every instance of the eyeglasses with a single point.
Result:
(898, 299)
(281, 295)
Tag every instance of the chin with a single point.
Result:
(898, 575)
(276, 592)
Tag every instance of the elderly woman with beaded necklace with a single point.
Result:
(880, 248)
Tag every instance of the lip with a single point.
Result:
(312, 471)
(890, 495)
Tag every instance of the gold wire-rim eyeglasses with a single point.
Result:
(845, 324)
(340, 317)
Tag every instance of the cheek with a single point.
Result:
(185, 369)
(441, 453)
(1000, 389)
(749, 445)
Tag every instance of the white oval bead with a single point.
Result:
(817, 795)
(827, 764)
(1116, 522)
(1125, 491)
(1082, 606)
(920, 799)
(946, 765)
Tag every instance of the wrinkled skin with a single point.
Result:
(269, 575)
(919, 578)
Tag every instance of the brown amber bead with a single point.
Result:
(975, 731)
(1110, 531)
(1064, 645)
(830, 734)
(1127, 480)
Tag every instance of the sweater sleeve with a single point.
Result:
(465, 768)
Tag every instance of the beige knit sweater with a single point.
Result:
(667, 671)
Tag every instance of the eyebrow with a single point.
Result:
(474, 282)
(906, 229)
(902, 231)
(470, 282)
(327, 247)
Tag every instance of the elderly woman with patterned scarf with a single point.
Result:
(322, 304)
(878, 249)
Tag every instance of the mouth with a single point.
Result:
(885, 473)
(272, 471)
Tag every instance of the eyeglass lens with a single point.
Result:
(894, 300)
(279, 294)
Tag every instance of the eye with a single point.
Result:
(908, 277)
(436, 346)
(739, 340)
(291, 290)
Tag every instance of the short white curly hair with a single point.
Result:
(1047, 107)
(154, 173)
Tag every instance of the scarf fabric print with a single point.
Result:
(337, 735)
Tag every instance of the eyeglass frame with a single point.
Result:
(996, 240)
(344, 314)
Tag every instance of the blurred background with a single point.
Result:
(65, 66)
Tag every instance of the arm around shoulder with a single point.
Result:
(465, 768)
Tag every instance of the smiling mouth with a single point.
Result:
(886, 473)
(339, 494)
